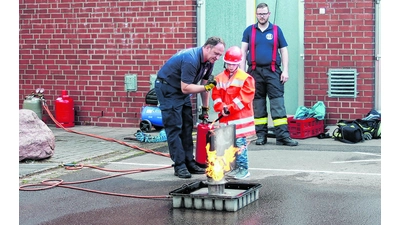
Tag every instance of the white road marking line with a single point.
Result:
(352, 161)
(316, 171)
(264, 169)
(366, 153)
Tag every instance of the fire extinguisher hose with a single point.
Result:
(47, 184)
(100, 137)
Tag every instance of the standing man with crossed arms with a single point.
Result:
(258, 43)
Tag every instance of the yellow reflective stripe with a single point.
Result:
(242, 75)
(261, 121)
(281, 121)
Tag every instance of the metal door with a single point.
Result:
(229, 18)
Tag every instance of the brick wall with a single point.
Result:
(87, 47)
(343, 37)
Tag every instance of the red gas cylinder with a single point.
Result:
(201, 142)
(65, 112)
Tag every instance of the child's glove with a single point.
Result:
(225, 111)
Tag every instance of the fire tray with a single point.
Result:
(195, 196)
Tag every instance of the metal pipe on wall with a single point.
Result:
(377, 55)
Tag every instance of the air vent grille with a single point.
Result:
(342, 83)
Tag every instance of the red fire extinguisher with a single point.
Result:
(65, 110)
(201, 142)
(203, 138)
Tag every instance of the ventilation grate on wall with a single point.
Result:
(342, 83)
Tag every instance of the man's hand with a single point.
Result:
(210, 84)
(284, 76)
(204, 113)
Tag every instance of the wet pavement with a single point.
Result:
(83, 143)
(321, 181)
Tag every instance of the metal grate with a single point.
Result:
(195, 196)
(342, 83)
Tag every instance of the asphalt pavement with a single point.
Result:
(87, 143)
(321, 181)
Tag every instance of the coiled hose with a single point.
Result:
(143, 137)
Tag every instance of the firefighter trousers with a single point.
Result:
(268, 84)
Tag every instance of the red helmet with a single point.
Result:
(233, 55)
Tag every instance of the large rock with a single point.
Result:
(36, 140)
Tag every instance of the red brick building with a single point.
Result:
(87, 47)
(343, 37)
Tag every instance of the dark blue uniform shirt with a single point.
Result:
(187, 66)
(264, 45)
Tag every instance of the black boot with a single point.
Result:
(195, 169)
(182, 173)
(261, 140)
(287, 141)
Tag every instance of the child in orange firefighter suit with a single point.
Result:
(233, 98)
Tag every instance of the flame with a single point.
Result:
(218, 165)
